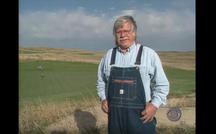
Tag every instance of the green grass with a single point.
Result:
(57, 81)
(60, 81)
(182, 82)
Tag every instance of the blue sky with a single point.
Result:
(163, 25)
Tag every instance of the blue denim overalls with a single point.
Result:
(126, 100)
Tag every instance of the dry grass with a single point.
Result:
(182, 60)
(185, 101)
(43, 53)
(46, 117)
(51, 117)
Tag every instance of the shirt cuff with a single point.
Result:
(155, 103)
(103, 98)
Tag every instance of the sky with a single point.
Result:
(163, 25)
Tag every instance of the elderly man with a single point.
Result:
(131, 82)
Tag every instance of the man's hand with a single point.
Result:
(104, 106)
(149, 112)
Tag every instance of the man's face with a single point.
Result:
(125, 37)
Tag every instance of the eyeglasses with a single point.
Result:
(124, 32)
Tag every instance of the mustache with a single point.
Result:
(125, 38)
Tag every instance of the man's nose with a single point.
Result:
(122, 34)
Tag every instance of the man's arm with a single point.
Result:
(160, 89)
(160, 83)
(101, 84)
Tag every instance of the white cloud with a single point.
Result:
(167, 30)
(62, 25)
(80, 25)
(128, 12)
(153, 22)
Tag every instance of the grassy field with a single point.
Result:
(55, 82)
(59, 80)
(182, 82)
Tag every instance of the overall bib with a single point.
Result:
(126, 100)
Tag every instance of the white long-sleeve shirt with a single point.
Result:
(155, 82)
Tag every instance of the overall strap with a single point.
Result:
(138, 59)
(113, 56)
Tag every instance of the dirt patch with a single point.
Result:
(187, 117)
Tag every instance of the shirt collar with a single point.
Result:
(128, 49)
